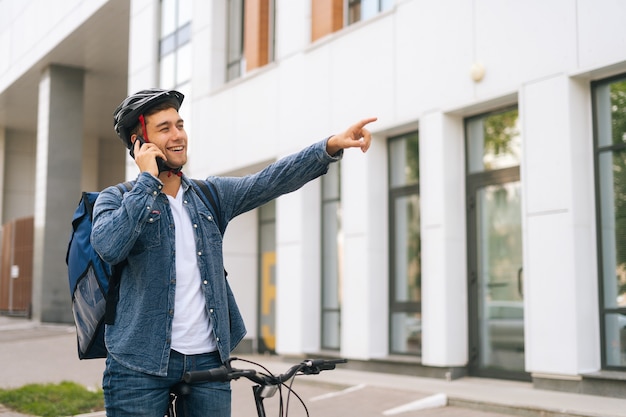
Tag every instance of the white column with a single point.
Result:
(240, 250)
(298, 270)
(443, 223)
(561, 283)
(365, 309)
(57, 187)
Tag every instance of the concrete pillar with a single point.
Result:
(561, 285)
(365, 287)
(443, 225)
(298, 270)
(57, 187)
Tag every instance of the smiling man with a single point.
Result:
(176, 311)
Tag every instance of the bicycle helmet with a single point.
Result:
(126, 115)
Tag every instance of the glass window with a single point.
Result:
(495, 143)
(234, 51)
(405, 283)
(609, 99)
(183, 64)
(267, 278)
(250, 39)
(175, 44)
(168, 17)
(168, 71)
(406, 255)
(364, 9)
(184, 13)
(404, 168)
(332, 239)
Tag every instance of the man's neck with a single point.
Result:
(171, 183)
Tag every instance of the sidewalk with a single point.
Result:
(34, 353)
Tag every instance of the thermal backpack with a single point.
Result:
(94, 283)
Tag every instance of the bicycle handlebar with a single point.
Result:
(226, 373)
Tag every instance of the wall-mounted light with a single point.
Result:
(477, 72)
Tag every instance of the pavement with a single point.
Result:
(32, 352)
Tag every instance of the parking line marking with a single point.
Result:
(432, 401)
(338, 393)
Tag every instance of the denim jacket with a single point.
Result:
(138, 227)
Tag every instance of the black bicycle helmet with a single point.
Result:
(126, 115)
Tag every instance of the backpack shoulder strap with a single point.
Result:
(207, 190)
(125, 186)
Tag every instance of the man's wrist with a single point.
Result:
(331, 146)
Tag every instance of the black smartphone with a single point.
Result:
(160, 162)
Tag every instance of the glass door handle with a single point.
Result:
(520, 288)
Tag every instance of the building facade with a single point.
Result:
(480, 235)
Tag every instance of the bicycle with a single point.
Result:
(266, 383)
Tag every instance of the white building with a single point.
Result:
(482, 234)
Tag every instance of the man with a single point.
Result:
(176, 312)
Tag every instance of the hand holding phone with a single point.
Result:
(159, 161)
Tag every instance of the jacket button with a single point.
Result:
(205, 282)
(155, 192)
(200, 253)
(211, 218)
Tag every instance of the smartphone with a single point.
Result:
(160, 162)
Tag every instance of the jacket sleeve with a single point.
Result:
(118, 219)
(288, 174)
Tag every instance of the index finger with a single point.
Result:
(366, 121)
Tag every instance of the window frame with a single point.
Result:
(395, 193)
(325, 282)
(173, 42)
(356, 6)
(598, 150)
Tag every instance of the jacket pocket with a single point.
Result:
(211, 230)
(150, 236)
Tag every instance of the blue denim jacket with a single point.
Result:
(139, 227)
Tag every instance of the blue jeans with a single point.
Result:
(131, 393)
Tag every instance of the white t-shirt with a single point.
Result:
(192, 330)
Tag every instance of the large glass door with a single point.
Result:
(495, 273)
(496, 278)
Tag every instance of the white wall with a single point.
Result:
(30, 29)
(410, 66)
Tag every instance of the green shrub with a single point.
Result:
(52, 400)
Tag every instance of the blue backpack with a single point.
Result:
(94, 283)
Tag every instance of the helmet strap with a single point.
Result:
(142, 120)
